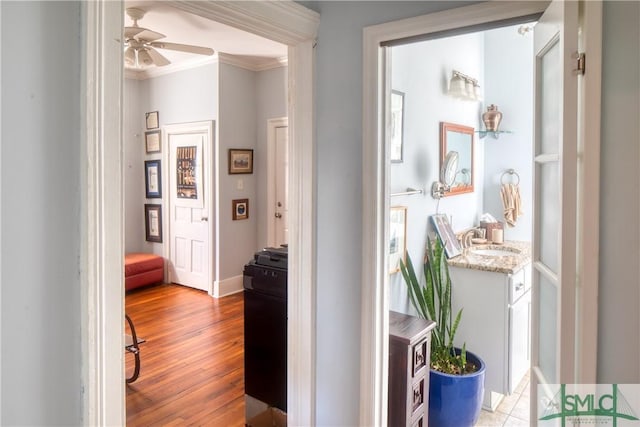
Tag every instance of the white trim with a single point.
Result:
(206, 126)
(373, 351)
(272, 124)
(102, 217)
(282, 21)
(226, 287)
(252, 63)
(589, 193)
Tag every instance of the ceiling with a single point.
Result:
(182, 27)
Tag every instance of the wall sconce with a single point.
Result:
(464, 87)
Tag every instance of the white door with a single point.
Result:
(555, 212)
(277, 141)
(189, 165)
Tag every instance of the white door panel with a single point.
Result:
(189, 164)
(277, 182)
(555, 198)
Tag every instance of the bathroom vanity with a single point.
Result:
(492, 284)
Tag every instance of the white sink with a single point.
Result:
(494, 251)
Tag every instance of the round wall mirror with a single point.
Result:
(449, 168)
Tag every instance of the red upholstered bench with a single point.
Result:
(142, 270)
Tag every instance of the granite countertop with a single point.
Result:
(508, 264)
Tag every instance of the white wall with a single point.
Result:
(619, 292)
(41, 213)
(508, 72)
(422, 71)
(271, 102)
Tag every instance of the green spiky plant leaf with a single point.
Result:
(432, 301)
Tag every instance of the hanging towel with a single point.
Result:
(510, 194)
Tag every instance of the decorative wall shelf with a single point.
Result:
(494, 134)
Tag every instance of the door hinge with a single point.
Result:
(581, 65)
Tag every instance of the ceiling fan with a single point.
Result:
(141, 44)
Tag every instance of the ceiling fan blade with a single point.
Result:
(183, 48)
(148, 35)
(158, 59)
(130, 32)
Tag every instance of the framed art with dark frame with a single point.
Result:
(152, 141)
(397, 126)
(240, 161)
(151, 120)
(240, 209)
(153, 179)
(153, 222)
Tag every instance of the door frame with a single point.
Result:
(101, 265)
(207, 127)
(375, 231)
(272, 124)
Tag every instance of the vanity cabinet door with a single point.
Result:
(519, 339)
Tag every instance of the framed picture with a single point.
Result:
(152, 141)
(240, 161)
(447, 236)
(240, 209)
(397, 237)
(187, 176)
(153, 179)
(153, 223)
(152, 121)
(397, 125)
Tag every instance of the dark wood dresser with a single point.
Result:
(409, 349)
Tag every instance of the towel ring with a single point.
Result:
(510, 172)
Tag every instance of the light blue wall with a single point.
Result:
(619, 293)
(41, 213)
(508, 70)
(134, 157)
(422, 71)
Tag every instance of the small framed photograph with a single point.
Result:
(153, 179)
(152, 120)
(397, 125)
(240, 209)
(153, 223)
(152, 141)
(447, 236)
(397, 237)
(240, 161)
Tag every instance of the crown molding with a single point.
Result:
(250, 63)
(283, 21)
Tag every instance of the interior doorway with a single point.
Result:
(288, 23)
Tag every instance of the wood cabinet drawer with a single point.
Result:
(418, 395)
(517, 286)
(420, 359)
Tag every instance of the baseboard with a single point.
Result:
(229, 286)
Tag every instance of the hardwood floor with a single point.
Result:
(192, 363)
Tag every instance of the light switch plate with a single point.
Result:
(240, 184)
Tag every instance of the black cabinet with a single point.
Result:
(409, 348)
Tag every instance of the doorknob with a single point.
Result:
(204, 218)
(279, 204)
(278, 215)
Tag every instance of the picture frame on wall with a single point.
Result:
(153, 222)
(240, 209)
(240, 161)
(152, 120)
(153, 179)
(152, 141)
(397, 237)
(397, 126)
(447, 236)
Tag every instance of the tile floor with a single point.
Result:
(512, 411)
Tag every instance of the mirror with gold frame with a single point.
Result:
(458, 138)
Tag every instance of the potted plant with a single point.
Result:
(456, 379)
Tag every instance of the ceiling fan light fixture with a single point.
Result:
(130, 57)
(144, 58)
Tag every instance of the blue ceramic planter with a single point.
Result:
(456, 400)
